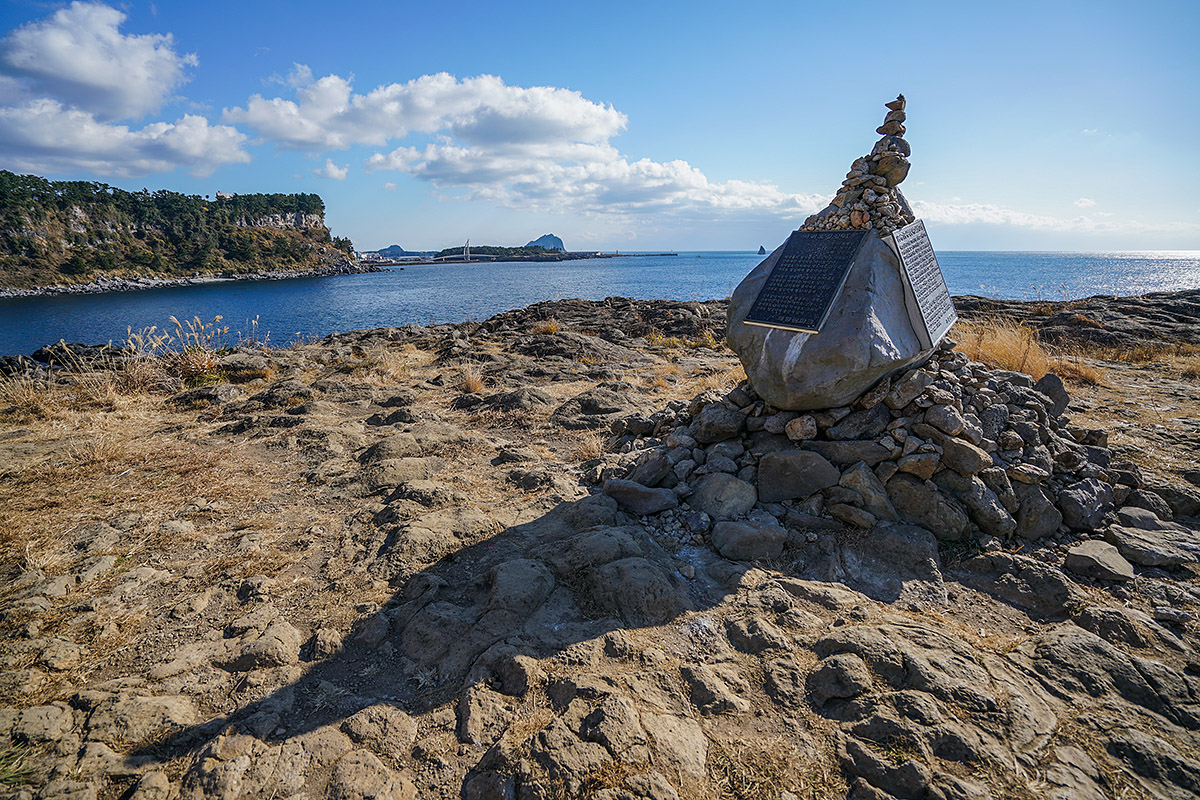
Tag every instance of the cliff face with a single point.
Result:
(74, 232)
(295, 221)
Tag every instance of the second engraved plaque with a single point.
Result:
(923, 278)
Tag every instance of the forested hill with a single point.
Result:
(64, 232)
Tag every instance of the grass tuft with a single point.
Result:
(703, 340)
(550, 326)
(15, 767)
(1003, 344)
(25, 399)
(471, 380)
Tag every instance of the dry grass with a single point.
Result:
(22, 398)
(704, 340)
(588, 445)
(1179, 358)
(63, 473)
(387, 366)
(612, 775)
(1011, 345)
(147, 365)
(1003, 344)
(1078, 370)
(721, 380)
(550, 326)
(762, 771)
(470, 380)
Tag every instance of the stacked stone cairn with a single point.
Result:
(971, 454)
(870, 196)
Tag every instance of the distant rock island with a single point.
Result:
(549, 242)
(762, 251)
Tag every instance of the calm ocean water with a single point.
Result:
(452, 293)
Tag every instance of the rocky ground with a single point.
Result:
(1104, 320)
(563, 553)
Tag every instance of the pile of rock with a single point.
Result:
(870, 196)
(961, 450)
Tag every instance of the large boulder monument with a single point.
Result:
(853, 296)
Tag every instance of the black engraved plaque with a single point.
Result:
(924, 277)
(801, 288)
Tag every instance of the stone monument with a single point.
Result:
(852, 296)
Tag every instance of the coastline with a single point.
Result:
(138, 283)
(1115, 321)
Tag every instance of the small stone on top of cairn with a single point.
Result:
(870, 195)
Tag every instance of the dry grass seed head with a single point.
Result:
(471, 379)
(550, 326)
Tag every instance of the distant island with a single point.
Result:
(526, 252)
(548, 242)
(547, 247)
(55, 233)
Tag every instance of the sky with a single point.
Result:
(624, 125)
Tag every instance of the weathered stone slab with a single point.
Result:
(867, 335)
(1100, 560)
(793, 474)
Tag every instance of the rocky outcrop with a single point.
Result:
(406, 594)
(295, 221)
(1154, 319)
(867, 336)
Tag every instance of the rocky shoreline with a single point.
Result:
(1160, 318)
(569, 552)
(1103, 320)
(131, 284)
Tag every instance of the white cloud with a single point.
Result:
(533, 148)
(391, 187)
(328, 115)
(332, 170)
(64, 82)
(593, 180)
(43, 136)
(79, 56)
(990, 214)
(1085, 202)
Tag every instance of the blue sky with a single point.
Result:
(632, 126)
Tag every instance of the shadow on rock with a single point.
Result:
(473, 626)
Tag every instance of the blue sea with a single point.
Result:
(314, 307)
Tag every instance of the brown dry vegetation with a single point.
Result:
(705, 339)
(77, 466)
(1005, 344)
(1008, 344)
(549, 326)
